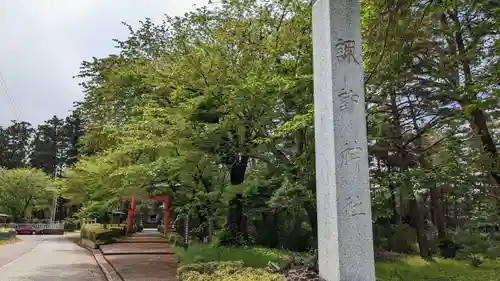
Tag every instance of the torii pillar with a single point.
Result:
(131, 212)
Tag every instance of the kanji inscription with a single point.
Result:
(352, 207)
(347, 99)
(346, 51)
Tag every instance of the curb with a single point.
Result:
(106, 268)
(139, 253)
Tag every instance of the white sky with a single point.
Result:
(43, 43)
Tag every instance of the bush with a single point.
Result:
(7, 230)
(7, 233)
(403, 239)
(71, 225)
(448, 249)
(224, 271)
(251, 257)
(228, 239)
(101, 235)
(210, 267)
(474, 246)
(175, 239)
(137, 228)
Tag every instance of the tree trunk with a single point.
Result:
(438, 212)
(419, 223)
(480, 128)
(478, 121)
(25, 207)
(312, 214)
(236, 224)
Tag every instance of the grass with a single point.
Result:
(250, 256)
(9, 241)
(416, 268)
(407, 268)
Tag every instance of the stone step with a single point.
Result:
(162, 241)
(136, 248)
(145, 267)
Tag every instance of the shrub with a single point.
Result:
(403, 239)
(448, 249)
(228, 239)
(250, 256)
(101, 235)
(7, 233)
(475, 246)
(137, 228)
(224, 271)
(7, 230)
(160, 228)
(175, 239)
(71, 225)
(210, 267)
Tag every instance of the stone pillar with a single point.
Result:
(345, 242)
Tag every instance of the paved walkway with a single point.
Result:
(144, 256)
(47, 258)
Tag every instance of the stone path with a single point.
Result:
(144, 256)
(47, 258)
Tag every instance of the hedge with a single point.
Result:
(100, 235)
(227, 271)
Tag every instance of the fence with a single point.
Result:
(34, 225)
(88, 221)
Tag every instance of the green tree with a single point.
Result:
(23, 191)
(19, 136)
(215, 109)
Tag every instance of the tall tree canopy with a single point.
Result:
(23, 191)
(214, 109)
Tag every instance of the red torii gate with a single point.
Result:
(131, 211)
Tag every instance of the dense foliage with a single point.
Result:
(24, 191)
(25, 154)
(214, 109)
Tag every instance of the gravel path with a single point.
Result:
(47, 258)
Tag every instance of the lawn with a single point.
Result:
(250, 256)
(416, 268)
(407, 268)
(9, 241)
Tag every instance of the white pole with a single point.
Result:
(54, 201)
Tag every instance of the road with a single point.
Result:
(47, 258)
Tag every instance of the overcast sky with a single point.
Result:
(43, 43)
